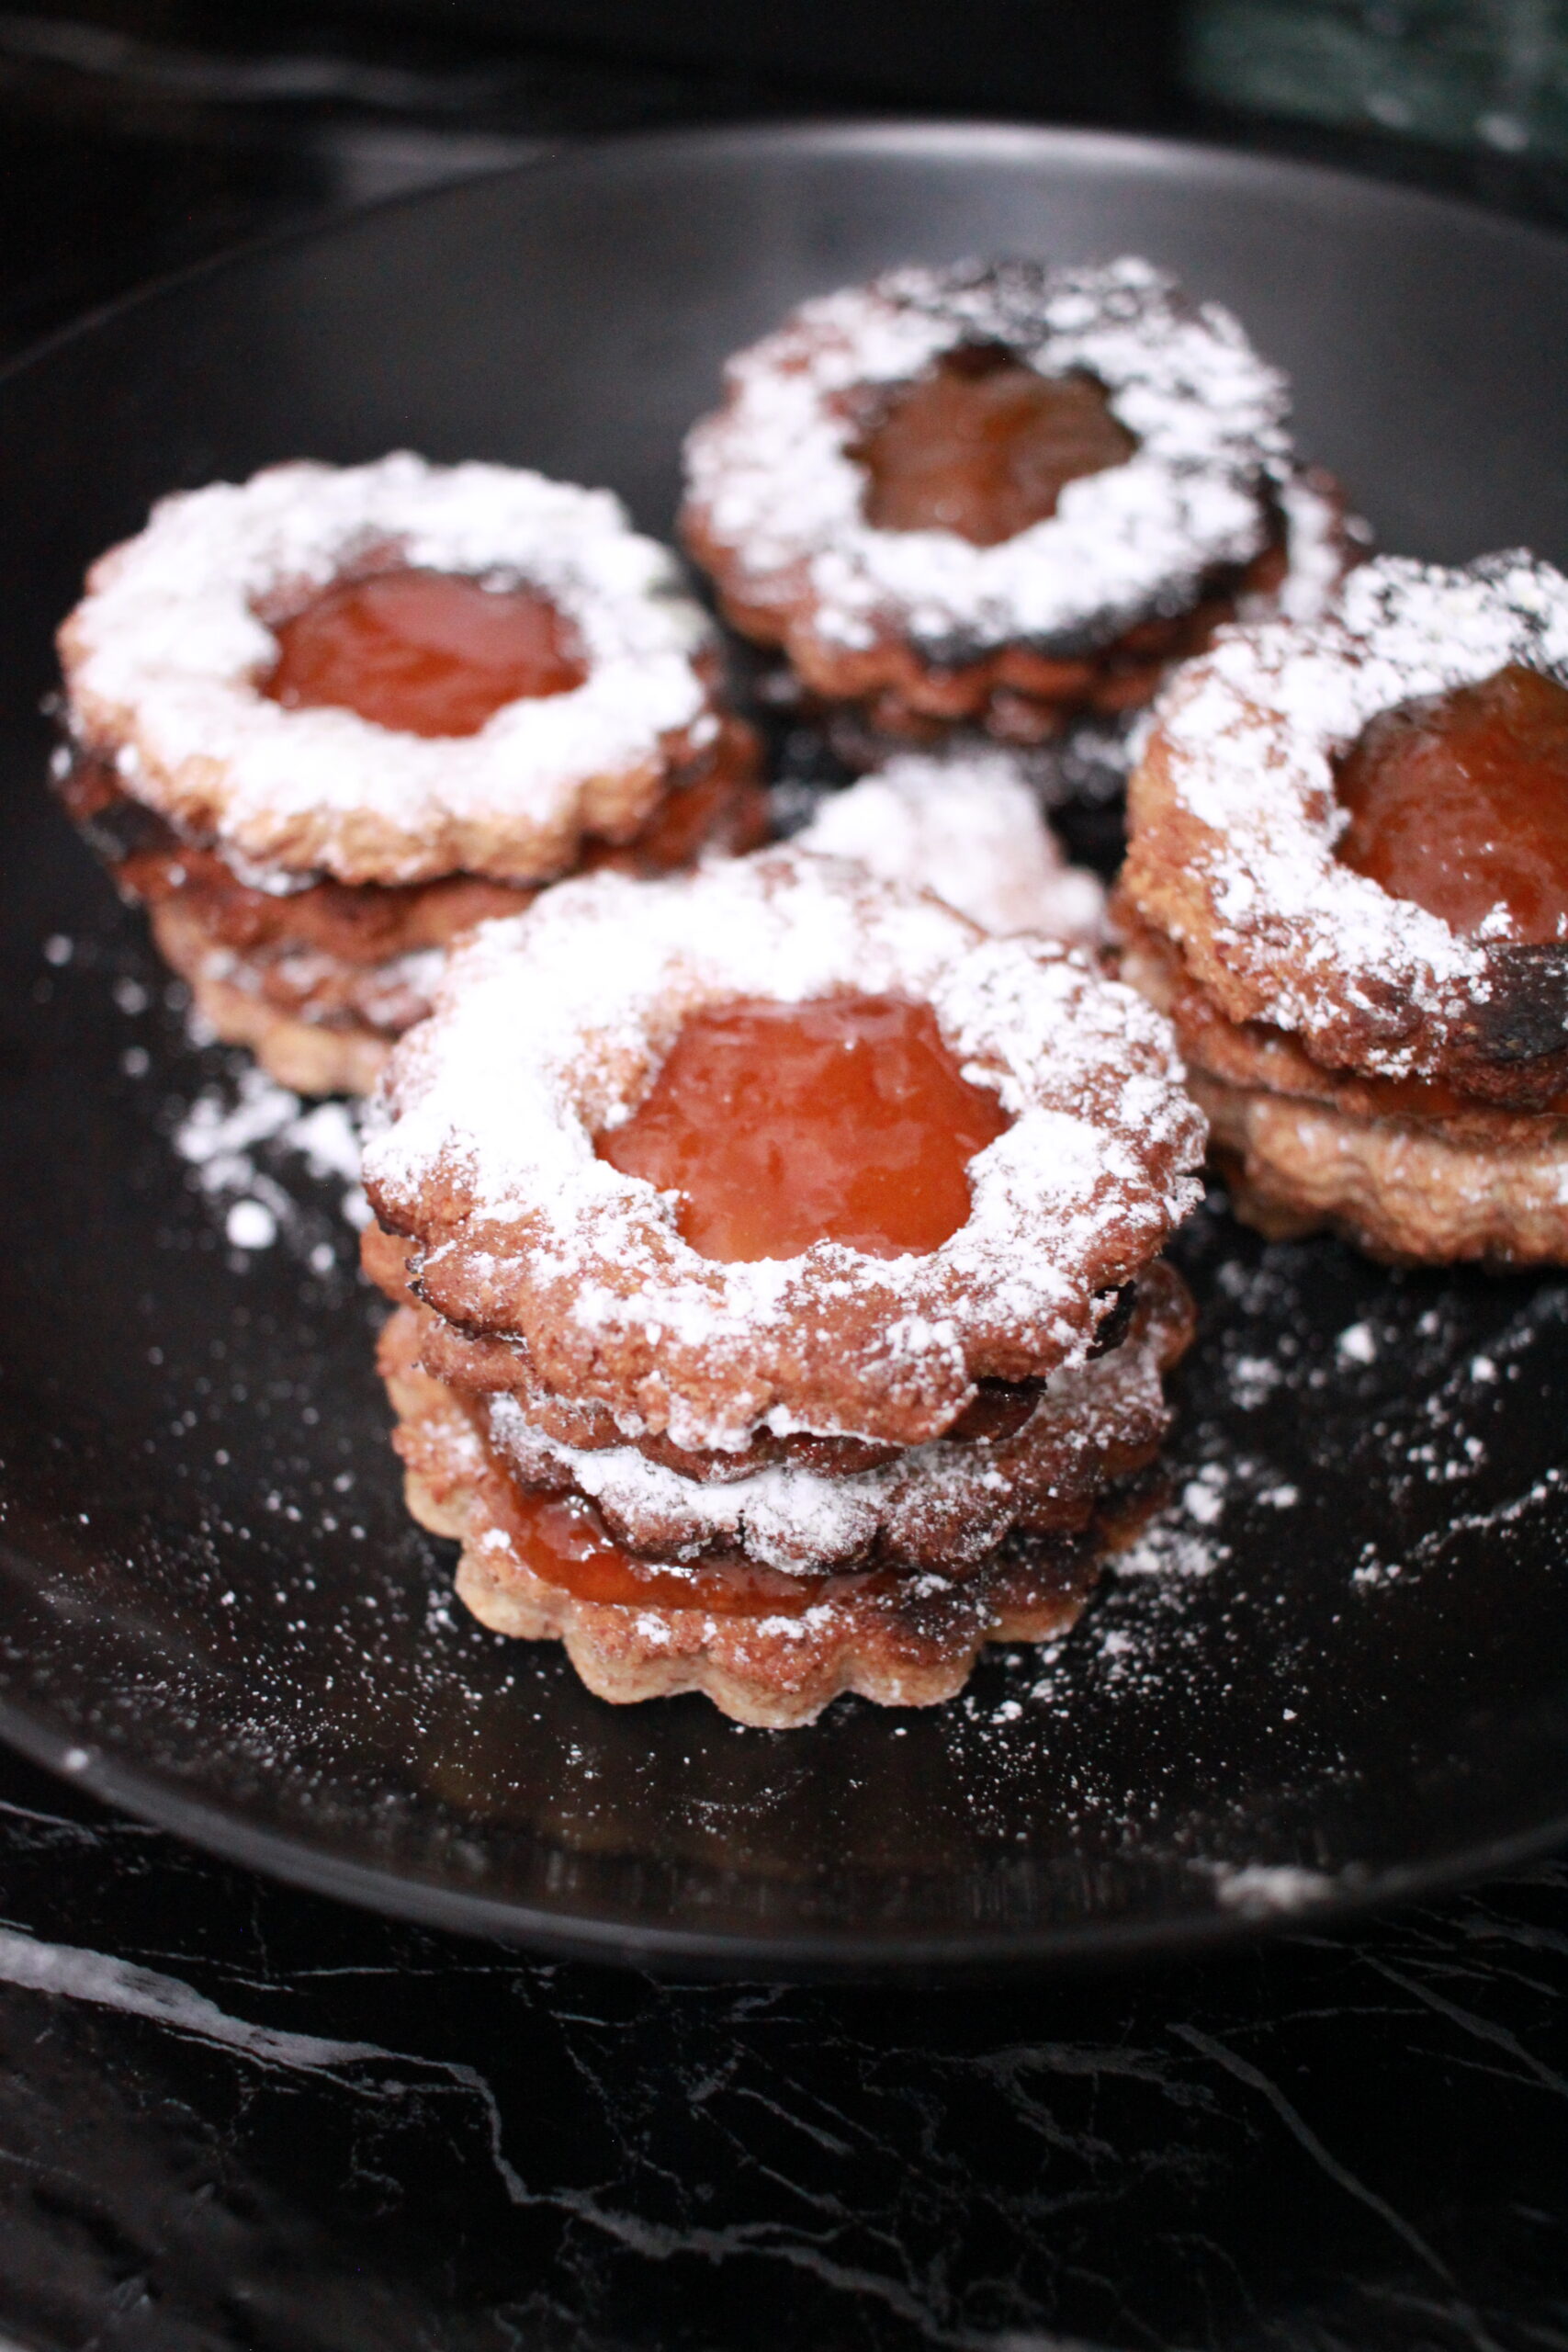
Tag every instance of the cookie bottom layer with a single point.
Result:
(900, 1641)
(1400, 1190)
(307, 1057)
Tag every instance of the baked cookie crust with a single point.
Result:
(946, 1504)
(1406, 1192)
(1412, 1171)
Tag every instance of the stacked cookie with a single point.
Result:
(1346, 882)
(998, 497)
(778, 1259)
(321, 721)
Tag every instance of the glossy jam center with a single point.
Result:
(564, 1542)
(423, 653)
(1459, 801)
(781, 1124)
(984, 446)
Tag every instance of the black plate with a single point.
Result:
(1342, 1674)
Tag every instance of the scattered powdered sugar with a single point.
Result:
(163, 654)
(250, 1224)
(773, 477)
(1250, 730)
(219, 1136)
(1263, 1890)
(1254, 1379)
(1173, 1547)
(967, 825)
(550, 1026)
(1204, 1497)
(215, 1136)
(1357, 1344)
(1374, 1570)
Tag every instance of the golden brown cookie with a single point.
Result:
(318, 981)
(169, 656)
(1233, 818)
(1347, 886)
(1039, 1467)
(548, 1030)
(322, 721)
(1000, 495)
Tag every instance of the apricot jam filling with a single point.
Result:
(1459, 802)
(984, 446)
(423, 653)
(563, 1540)
(781, 1124)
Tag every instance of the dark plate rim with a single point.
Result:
(913, 133)
(292, 1856)
(797, 1954)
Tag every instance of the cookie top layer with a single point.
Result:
(550, 1027)
(164, 657)
(1233, 820)
(773, 477)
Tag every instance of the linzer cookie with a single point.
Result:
(321, 720)
(1001, 496)
(1347, 884)
(775, 1258)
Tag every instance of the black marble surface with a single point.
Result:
(232, 2115)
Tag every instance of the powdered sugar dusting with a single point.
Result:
(223, 1130)
(773, 476)
(1262, 1890)
(164, 655)
(967, 826)
(954, 1500)
(217, 1136)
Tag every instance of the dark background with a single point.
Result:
(231, 2115)
(139, 135)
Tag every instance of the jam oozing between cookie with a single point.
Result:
(984, 446)
(1460, 802)
(563, 1540)
(781, 1124)
(423, 653)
